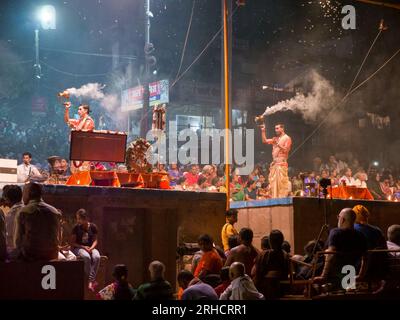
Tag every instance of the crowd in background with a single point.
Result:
(43, 137)
(383, 183)
(49, 136)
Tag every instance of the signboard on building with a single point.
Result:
(132, 98)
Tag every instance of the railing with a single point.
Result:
(394, 267)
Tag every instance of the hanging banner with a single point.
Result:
(132, 98)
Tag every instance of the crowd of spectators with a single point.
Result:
(49, 136)
(31, 230)
(383, 183)
(43, 137)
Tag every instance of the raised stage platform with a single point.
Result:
(301, 218)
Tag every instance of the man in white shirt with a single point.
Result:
(26, 170)
(348, 178)
(241, 287)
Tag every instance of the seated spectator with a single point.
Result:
(173, 174)
(347, 179)
(350, 245)
(386, 189)
(120, 289)
(265, 243)
(260, 181)
(210, 262)
(318, 165)
(271, 266)
(202, 183)
(225, 281)
(65, 252)
(297, 184)
(84, 243)
(286, 247)
(231, 217)
(335, 181)
(192, 176)
(158, 288)
(251, 190)
(233, 242)
(196, 259)
(181, 184)
(65, 168)
(374, 184)
(377, 262)
(38, 227)
(241, 287)
(207, 172)
(374, 236)
(3, 246)
(245, 252)
(393, 243)
(310, 184)
(219, 184)
(194, 288)
(237, 192)
(263, 191)
(396, 189)
(310, 251)
(12, 195)
(361, 180)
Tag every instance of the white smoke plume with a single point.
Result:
(94, 91)
(89, 91)
(318, 101)
(108, 102)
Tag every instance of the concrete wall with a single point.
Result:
(302, 220)
(137, 226)
(264, 219)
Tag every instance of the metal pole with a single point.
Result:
(146, 93)
(226, 101)
(37, 60)
(147, 30)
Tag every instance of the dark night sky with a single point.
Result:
(282, 33)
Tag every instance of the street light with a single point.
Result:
(46, 15)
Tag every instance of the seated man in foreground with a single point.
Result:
(348, 247)
(38, 227)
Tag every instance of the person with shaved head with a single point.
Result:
(349, 246)
(158, 288)
(241, 287)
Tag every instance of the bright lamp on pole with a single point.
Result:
(47, 17)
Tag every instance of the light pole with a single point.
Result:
(150, 61)
(46, 18)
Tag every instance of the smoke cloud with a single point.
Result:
(94, 91)
(318, 101)
(89, 91)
